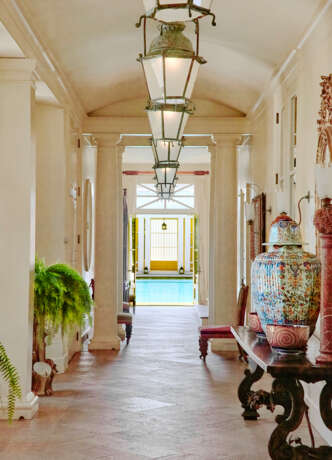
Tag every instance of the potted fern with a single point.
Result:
(10, 376)
(62, 300)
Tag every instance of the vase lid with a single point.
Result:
(284, 231)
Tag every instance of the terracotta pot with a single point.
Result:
(287, 337)
(254, 322)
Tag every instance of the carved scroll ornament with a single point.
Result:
(325, 121)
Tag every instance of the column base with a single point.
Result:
(223, 345)
(25, 408)
(105, 343)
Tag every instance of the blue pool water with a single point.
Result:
(164, 291)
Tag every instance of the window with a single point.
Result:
(164, 244)
(183, 198)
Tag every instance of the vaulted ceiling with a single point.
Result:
(96, 44)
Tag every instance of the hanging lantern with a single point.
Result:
(165, 196)
(166, 150)
(166, 172)
(164, 226)
(168, 121)
(178, 10)
(171, 66)
(165, 188)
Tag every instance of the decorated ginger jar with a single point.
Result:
(286, 279)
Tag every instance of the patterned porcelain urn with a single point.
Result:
(286, 279)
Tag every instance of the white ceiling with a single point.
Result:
(144, 155)
(8, 47)
(96, 44)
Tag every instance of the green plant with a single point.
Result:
(10, 375)
(77, 301)
(62, 299)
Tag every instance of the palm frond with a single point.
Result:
(10, 375)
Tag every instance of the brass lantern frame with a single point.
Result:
(187, 108)
(186, 4)
(171, 43)
(170, 145)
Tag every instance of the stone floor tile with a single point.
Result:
(155, 399)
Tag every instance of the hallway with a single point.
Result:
(153, 400)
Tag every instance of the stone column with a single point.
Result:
(202, 205)
(119, 152)
(108, 222)
(223, 231)
(17, 229)
(323, 223)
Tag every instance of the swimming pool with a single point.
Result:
(164, 291)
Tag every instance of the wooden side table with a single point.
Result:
(287, 391)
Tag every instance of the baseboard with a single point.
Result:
(25, 408)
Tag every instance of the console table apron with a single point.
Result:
(287, 391)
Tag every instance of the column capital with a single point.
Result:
(89, 140)
(17, 69)
(226, 139)
(108, 140)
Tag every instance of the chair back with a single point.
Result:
(242, 303)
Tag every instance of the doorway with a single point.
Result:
(163, 255)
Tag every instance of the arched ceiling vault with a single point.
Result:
(96, 44)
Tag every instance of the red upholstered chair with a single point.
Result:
(223, 332)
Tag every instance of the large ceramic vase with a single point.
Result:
(286, 279)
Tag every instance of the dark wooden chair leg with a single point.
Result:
(203, 348)
(129, 328)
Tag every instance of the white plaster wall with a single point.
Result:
(302, 77)
(51, 184)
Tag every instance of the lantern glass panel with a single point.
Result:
(165, 175)
(177, 14)
(173, 123)
(153, 69)
(179, 78)
(167, 150)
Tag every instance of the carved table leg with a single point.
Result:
(325, 403)
(129, 328)
(252, 375)
(288, 393)
(203, 347)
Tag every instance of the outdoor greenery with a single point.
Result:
(62, 299)
(10, 376)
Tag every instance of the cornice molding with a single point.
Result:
(227, 139)
(140, 125)
(17, 69)
(145, 141)
(20, 25)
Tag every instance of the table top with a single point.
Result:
(302, 367)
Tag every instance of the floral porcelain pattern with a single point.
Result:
(285, 232)
(286, 284)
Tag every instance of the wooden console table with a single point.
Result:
(287, 391)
